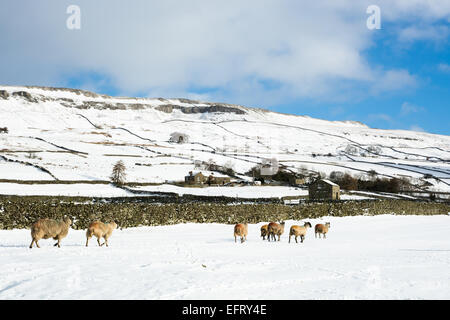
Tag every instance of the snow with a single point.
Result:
(73, 190)
(108, 190)
(363, 257)
(330, 183)
(241, 192)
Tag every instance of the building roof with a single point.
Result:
(329, 182)
(207, 173)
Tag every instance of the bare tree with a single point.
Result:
(118, 173)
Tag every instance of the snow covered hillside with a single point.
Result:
(70, 134)
(380, 257)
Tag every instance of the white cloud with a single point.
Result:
(408, 108)
(416, 128)
(250, 52)
(380, 116)
(393, 80)
(414, 33)
(444, 67)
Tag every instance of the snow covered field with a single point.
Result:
(382, 257)
(241, 192)
(73, 190)
(107, 190)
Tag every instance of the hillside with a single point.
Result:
(66, 134)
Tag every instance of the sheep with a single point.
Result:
(275, 229)
(264, 231)
(241, 230)
(100, 230)
(299, 231)
(322, 229)
(48, 228)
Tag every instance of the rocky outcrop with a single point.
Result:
(186, 106)
(214, 108)
(103, 105)
(4, 94)
(25, 95)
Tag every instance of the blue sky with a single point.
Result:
(425, 106)
(317, 59)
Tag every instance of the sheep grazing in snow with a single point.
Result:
(100, 230)
(264, 231)
(322, 229)
(299, 231)
(48, 228)
(275, 229)
(241, 230)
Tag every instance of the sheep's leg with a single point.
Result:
(279, 237)
(235, 239)
(31, 245)
(58, 243)
(324, 235)
(98, 241)
(289, 239)
(296, 241)
(106, 240)
(302, 238)
(88, 237)
(315, 234)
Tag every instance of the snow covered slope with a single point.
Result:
(201, 261)
(70, 134)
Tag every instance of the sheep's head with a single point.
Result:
(307, 224)
(114, 225)
(68, 221)
(328, 224)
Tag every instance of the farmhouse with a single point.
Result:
(296, 181)
(197, 178)
(200, 179)
(218, 180)
(324, 190)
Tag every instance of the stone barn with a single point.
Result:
(179, 137)
(198, 178)
(218, 180)
(296, 181)
(324, 190)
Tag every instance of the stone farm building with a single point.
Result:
(197, 178)
(200, 179)
(179, 137)
(296, 181)
(324, 190)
